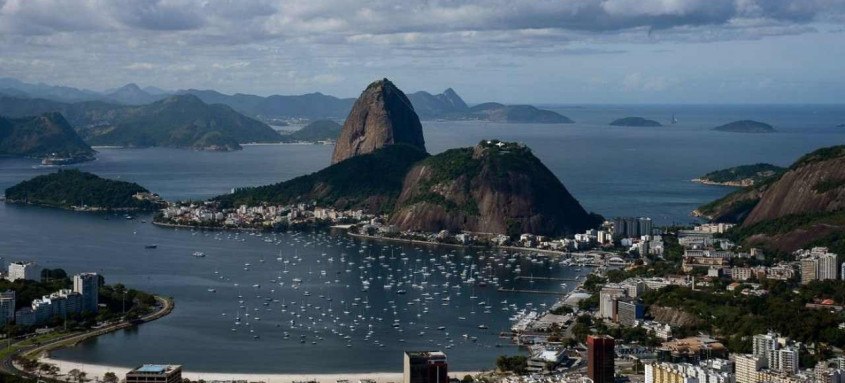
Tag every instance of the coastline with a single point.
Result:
(416, 241)
(97, 370)
(735, 184)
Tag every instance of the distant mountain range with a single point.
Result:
(182, 121)
(445, 106)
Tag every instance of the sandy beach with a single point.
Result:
(94, 370)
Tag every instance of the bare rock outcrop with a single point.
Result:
(381, 116)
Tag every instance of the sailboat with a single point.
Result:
(674, 120)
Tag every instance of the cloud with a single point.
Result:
(270, 46)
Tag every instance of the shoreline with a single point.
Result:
(733, 184)
(98, 370)
(416, 241)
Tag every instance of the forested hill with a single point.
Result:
(77, 190)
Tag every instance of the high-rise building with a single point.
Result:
(88, 284)
(828, 267)
(425, 367)
(155, 373)
(763, 344)
(819, 264)
(607, 300)
(644, 226)
(784, 360)
(747, 367)
(809, 270)
(632, 228)
(24, 270)
(629, 311)
(618, 227)
(600, 358)
(7, 307)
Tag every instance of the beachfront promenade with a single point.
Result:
(7, 365)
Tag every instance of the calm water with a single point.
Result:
(611, 170)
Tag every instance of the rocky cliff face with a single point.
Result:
(811, 187)
(381, 116)
(802, 207)
(492, 188)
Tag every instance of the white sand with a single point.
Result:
(95, 370)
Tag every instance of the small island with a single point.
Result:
(635, 121)
(315, 132)
(746, 126)
(76, 190)
(741, 176)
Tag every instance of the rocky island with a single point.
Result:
(634, 121)
(47, 136)
(76, 190)
(740, 176)
(746, 126)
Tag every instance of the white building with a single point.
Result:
(88, 285)
(747, 367)
(24, 270)
(784, 360)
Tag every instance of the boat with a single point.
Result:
(151, 246)
(199, 254)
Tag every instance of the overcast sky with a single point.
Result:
(563, 51)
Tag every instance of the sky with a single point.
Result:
(514, 51)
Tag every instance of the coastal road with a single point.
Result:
(6, 365)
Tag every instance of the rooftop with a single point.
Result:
(155, 368)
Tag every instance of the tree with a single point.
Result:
(110, 377)
(74, 374)
(467, 379)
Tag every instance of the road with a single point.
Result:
(6, 365)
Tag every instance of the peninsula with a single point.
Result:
(740, 176)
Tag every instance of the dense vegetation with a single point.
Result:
(735, 317)
(634, 121)
(756, 173)
(457, 181)
(320, 130)
(71, 187)
(820, 155)
(517, 363)
(746, 126)
(40, 136)
(355, 182)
